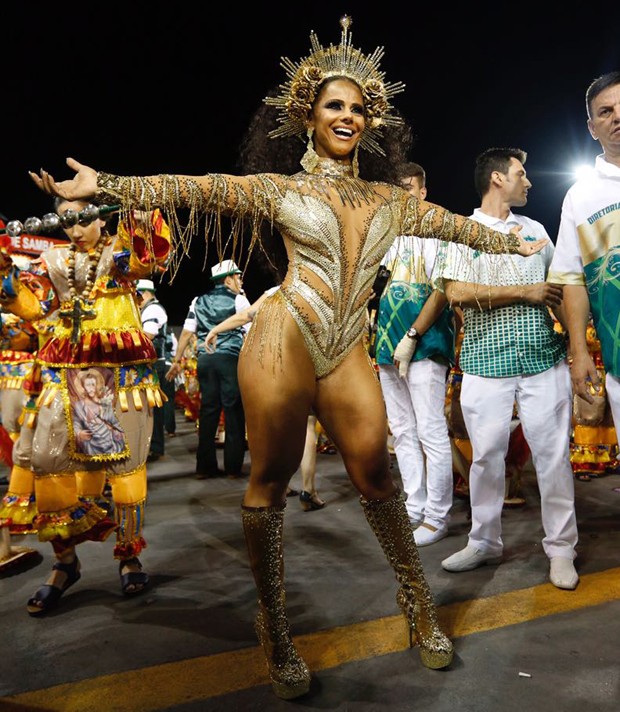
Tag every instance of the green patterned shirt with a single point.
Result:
(518, 339)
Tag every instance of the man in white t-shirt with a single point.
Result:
(414, 350)
(511, 353)
(587, 252)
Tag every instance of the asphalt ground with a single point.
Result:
(188, 643)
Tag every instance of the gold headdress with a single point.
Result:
(306, 76)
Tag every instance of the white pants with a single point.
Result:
(544, 403)
(415, 411)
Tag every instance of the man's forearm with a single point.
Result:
(481, 296)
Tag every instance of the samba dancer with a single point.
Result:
(305, 350)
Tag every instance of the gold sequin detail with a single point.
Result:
(263, 527)
(336, 229)
(390, 523)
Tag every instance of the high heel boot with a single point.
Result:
(263, 527)
(390, 523)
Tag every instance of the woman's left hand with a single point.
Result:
(528, 247)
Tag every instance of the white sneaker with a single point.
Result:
(427, 534)
(562, 573)
(469, 558)
(415, 523)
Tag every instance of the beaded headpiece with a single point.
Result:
(305, 77)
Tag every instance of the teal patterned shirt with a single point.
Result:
(411, 261)
(518, 339)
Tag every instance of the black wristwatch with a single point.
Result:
(412, 333)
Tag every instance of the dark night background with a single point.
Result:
(139, 87)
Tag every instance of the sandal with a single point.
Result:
(47, 597)
(133, 582)
(310, 501)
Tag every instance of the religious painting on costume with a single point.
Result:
(95, 430)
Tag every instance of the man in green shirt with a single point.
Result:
(511, 353)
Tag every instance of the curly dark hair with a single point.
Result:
(261, 154)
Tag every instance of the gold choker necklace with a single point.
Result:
(80, 306)
(331, 167)
(331, 174)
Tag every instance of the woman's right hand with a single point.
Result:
(83, 185)
(210, 342)
(173, 372)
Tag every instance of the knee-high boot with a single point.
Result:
(263, 527)
(390, 523)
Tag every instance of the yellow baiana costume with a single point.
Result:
(96, 328)
(19, 341)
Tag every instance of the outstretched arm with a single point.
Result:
(429, 220)
(246, 200)
(212, 192)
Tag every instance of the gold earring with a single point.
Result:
(310, 159)
(356, 162)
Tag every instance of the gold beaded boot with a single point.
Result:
(263, 527)
(390, 523)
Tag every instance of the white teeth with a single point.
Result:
(344, 132)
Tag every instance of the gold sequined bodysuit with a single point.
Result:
(336, 229)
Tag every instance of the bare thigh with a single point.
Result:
(349, 405)
(277, 382)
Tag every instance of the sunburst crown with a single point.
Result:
(305, 77)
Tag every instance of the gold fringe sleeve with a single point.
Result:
(429, 220)
(245, 200)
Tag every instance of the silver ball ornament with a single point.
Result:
(33, 225)
(69, 218)
(14, 228)
(89, 214)
(50, 222)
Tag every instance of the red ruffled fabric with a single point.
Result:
(127, 550)
(59, 352)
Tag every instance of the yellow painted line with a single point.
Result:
(162, 686)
